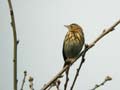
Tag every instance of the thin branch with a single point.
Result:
(66, 83)
(67, 79)
(23, 82)
(78, 70)
(58, 84)
(108, 78)
(105, 32)
(50, 87)
(15, 45)
(55, 84)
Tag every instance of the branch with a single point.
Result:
(78, 70)
(23, 82)
(67, 79)
(15, 45)
(105, 32)
(108, 78)
(55, 84)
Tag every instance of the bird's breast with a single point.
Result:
(73, 44)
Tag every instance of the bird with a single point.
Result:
(73, 44)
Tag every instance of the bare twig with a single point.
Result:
(105, 32)
(108, 78)
(56, 84)
(15, 45)
(31, 83)
(23, 82)
(67, 79)
(78, 70)
(66, 83)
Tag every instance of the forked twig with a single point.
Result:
(105, 32)
(55, 84)
(108, 78)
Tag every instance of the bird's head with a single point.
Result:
(73, 27)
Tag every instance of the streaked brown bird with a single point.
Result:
(73, 43)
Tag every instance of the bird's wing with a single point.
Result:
(63, 52)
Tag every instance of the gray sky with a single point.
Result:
(41, 31)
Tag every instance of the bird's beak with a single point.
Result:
(67, 26)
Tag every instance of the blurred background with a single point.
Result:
(41, 31)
